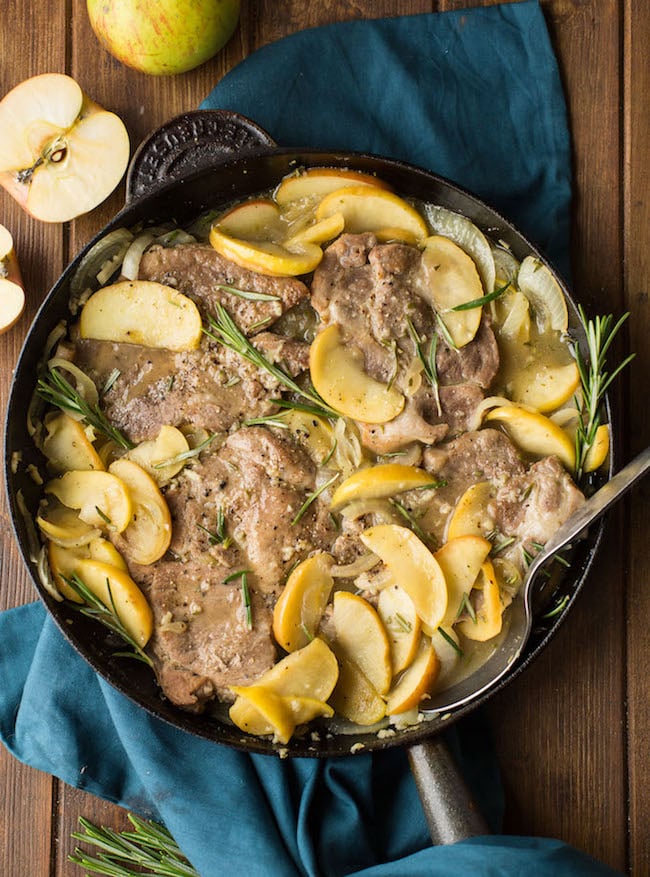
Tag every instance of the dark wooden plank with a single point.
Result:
(636, 220)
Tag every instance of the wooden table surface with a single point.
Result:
(572, 735)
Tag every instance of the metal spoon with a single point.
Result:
(520, 611)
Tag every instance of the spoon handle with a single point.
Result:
(595, 506)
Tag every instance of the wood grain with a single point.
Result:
(571, 734)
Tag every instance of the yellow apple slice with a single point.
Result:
(255, 220)
(368, 208)
(377, 482)
(318, 232)
(471, 515)
(354, 696)
(488, 611)
(449, 651)
(159, 456)
(310, 672)
(397, 612)
(337, 374)
(117, 590)
(64, 527)
(142, 312)
(599, 451)
(412, 566)
(67, 447)
(470, 239)
(12, 295)
(417, 682)
(545, 295)
(314, 183)
(103, 500)
(266, 257)
(453, 281)
(461, 560)
(535, 434)
(282, 713)
(362, 638)
(61, 154)
(545, 387)
(300, 607)
(149, 532)
(64, 562)
(312, 431)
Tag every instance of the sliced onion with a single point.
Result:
(476, 419)
(352, 570)
(45, 575)
(85, 386)
(380, 508)
(132, 257)
(348, 454)
(112, 246)
(545, 295)
(468, 236)
(505, 264)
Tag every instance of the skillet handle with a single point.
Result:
(195, 140)
(450, 810)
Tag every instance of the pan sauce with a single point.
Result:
(524, 343)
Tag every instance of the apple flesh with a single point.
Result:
(163, 37)
(12, 296)
(61, 154)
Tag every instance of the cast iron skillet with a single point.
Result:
(204, 160)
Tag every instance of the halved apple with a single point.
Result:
(368, 208)
(398, 614)
(338, 375)
(412, 566)
(67, 447)
(103, 499)
(416, 682)
(117, 590)
(377, 482)
(362, 638)
(142, 312)
(300, 606)
(488, 610)
(453, 281)
(461, 560)
(266, 257)
(61, 154)
(158, 456)
(314, 183)
(535, 434)
(471, 515)
(147, 536)
(545, 387)
(12, 295)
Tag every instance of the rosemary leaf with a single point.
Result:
(428, 361)
(248, 294)
(483, 300)
(313, 496)
(186, 455)
(452, 642)
(410, 520)
(245, 593)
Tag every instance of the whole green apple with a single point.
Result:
(163, 37)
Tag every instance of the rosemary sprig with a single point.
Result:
(446, 334)
(427, 360)
(224, 330)
(312, 497)
(410, 520)
(186, 455)
(594, 379)
(483, 300)
(218, 535)
(56, 390)
(93, 607)
(245, 593)
(248, 294)
(150, 846)
(559, 607)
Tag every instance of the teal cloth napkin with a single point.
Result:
(475, 96)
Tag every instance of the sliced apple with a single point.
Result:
(314, 183)
(312, 431)
(488, 609)
(362, 638)
(61, 154)
(453, 281)
(461, 560)
(103, 499)
(368, 208)
(64, 562)
(282, 713)
(310, 672)
(300, 607)
(67, 447)
(255, 220)
(535, 434)
(117, 590)
(471, 515)
(417, 682)
(266, 257)
(412, 566)
(377, 482)
(448, 649)
(148, 534)
(354, 696)
(318, 232)
(12, 295)
(142, 312)
(397, 612)
(545, 295)
(338, 375)
(599, 450)
(159, 456)
(545, 387)
(64, 527)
